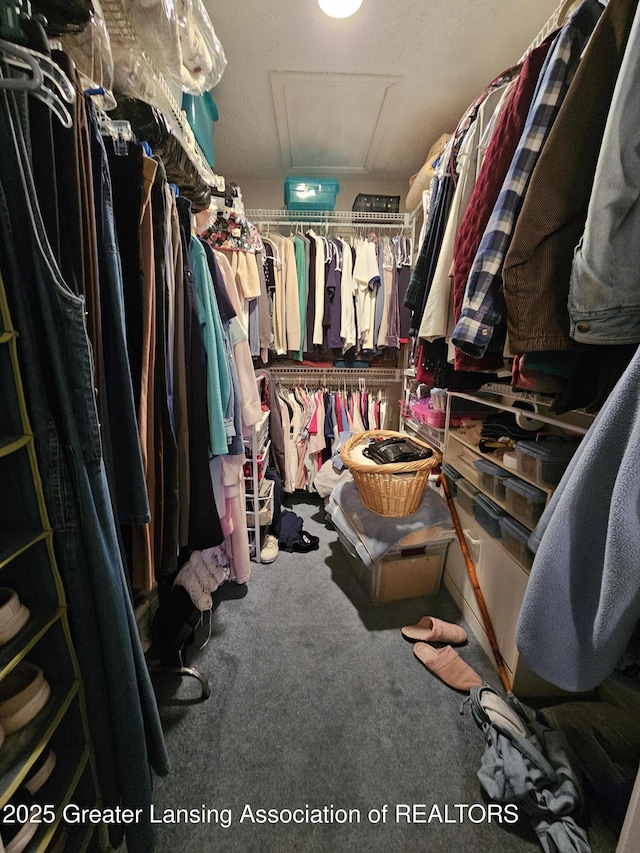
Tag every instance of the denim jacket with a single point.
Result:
(604, 292)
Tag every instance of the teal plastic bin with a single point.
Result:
(310, 193)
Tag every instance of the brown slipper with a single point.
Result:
(447, 664)
(430, 630)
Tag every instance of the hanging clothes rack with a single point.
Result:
(336, 377)
(335, 220)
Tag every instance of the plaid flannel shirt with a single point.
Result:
(483, 308)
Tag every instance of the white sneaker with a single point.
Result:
(269, 551)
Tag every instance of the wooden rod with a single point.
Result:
(471, 569)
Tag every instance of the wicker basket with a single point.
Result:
(392, 490)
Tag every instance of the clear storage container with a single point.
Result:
(310, 193)
(466, 495)
(524, 501)
(452, 476)
(488, 515)
(544, 461)
(491, 478)
(515, 537)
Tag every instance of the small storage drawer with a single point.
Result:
(488, 515)
(452, 476)
(544, 461)
(524, 501)
(491, 478)
(466, 495)
(515, 537)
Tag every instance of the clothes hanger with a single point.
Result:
(17, 57)
(20, 56)
(24, 59)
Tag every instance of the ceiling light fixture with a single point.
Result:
(339, 8)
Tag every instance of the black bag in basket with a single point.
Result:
(392, 450)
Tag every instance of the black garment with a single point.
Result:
(121, 441)
(226, 309)
(311, 295)
(269, 397)
(126, 177)
(167, 501)
(43, 154)
(290, 529)
(278, 493)
(67, 175)
(204, 522)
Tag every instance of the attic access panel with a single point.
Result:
(332, 123)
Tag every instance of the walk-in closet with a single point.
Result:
(319, 421)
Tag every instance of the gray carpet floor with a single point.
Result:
(318, 702)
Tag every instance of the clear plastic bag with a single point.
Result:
(179, 38)
(91, 52)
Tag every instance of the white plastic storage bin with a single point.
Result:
(491, 478)
(515, 538)
(524, 501)
(544, 461)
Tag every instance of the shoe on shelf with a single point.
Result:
(24, 692)
(270, 550)
(40, 772)
(13, 614)
(17, 833)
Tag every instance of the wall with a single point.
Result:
(268, 193)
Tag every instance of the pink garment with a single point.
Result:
(236, 517)
(317, 440)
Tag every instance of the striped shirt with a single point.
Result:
(483, 309)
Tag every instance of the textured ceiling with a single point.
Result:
(439, 54)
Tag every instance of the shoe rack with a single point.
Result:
(57, 736)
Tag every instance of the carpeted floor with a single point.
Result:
(319, 704)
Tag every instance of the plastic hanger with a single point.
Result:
(60, 84)
(43, 72)
(18, 57)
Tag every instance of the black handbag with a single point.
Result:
(393, 450)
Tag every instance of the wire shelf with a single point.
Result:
(335, 376)
(342, 218)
